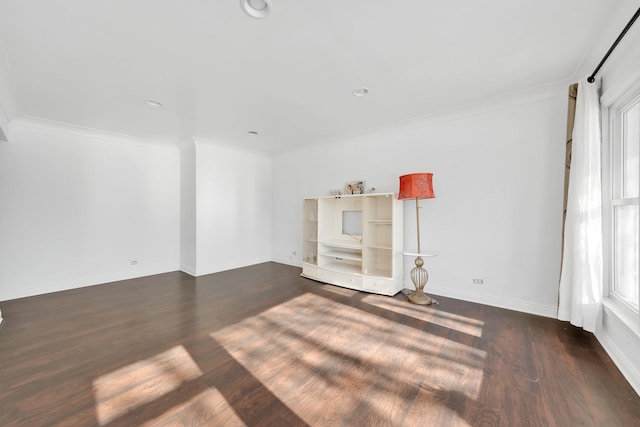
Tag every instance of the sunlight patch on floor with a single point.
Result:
(329, 361)
(431, 314)
(142, 382)
(338, 290)
(208, 407)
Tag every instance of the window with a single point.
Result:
(622, 199)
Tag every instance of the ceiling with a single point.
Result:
(220, 73)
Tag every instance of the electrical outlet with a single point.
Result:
(294, 253)
(478, 281)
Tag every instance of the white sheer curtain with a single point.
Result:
(580, 295)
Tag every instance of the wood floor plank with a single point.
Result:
(262, 346)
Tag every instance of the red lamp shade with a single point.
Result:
(416, 186)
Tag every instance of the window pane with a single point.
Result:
(631, 152)
(626, 253)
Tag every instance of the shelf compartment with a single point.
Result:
(379, 208)
(385, 274)
(379, 236)
(310, 231)
(348, 255)
(383, 247)
(342, 244)
(378, 262)
(340, 267)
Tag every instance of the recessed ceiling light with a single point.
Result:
(256, 8)
(361, 91)
(153, 103)
(252, 132)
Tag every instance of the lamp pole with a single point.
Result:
(418, 224)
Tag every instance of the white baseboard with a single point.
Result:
(188, 269)
(510, 304)
(218, 269)
(287, 262)
(621, 361)
(65, 284)
(628, 369)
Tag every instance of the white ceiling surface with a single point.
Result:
(220, 73)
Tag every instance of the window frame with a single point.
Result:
(613, 108)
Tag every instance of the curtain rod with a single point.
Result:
(591, 78)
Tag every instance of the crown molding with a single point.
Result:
(55, 126)
(514, 99)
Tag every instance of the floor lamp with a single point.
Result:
(418, 186)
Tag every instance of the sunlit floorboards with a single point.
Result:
(262, 346)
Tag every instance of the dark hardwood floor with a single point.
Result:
(262, 346)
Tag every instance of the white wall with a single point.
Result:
(498, 179)
(9, 108)
(188, 207)
(77, 207)
(233, 193)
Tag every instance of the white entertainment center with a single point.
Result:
(354, 241)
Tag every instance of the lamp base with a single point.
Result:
(419, 277)
(419, 297)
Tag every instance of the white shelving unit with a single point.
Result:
(354, 241)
